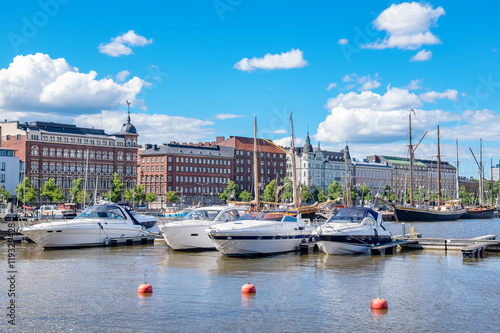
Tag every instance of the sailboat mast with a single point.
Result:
(347, 200)
(294, 168)
(457, 182)
(481, 186)
(439, 170)
(411, 166)
(256, 173)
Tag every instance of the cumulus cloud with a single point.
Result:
(287, 142)
(394, 98)
(223, 116)
(364, 82)
(407, 26)
(343, 41)
(422, 56)
(285, 60)
(431, 96)
(37, 82)
(121, 76)
(414, 84)
(121, 45)
(153, 128)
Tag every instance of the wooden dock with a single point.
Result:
(390, 248)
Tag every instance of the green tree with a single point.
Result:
(246, 196)
(270, 192)
(4, 194)
(171, 197)
(287, 191)
(150, 197)
(52, 192)
(82, 197)
(321, 196)
(335, 190)
(26, 192)
(116, 190)
(305, 194)
(231, 192)
(135, 195)
(75, 189)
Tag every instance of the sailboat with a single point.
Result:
(451, 211)
(482, 211)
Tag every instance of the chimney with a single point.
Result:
(219, 139)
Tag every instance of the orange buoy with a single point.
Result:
(248, 289)
(145, 288)
(379, 303)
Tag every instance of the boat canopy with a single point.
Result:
(272, 215)
(354, 214)
(202, 214)
(102, 212)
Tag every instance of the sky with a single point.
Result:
(347, 72)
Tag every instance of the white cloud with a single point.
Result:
(37, 82)
(407, 26)
(120, 45)
(343, 41)
(331, 86)
(285, 60)
(287, 142)
(414, 84)
(366, 82)
(121, 76)
(422, 56)
(223, 116)
(431, 96)
(152, 128)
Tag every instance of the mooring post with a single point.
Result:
(403, 231)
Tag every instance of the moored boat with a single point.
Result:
(95, 226)
(189, 233)
(267, 232)
(479, 212)
(353, 230)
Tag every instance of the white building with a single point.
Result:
(375, 175)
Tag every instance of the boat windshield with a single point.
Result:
(202, 214)
(270, 216)
(354, 215)
(102, 212)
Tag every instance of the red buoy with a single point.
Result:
(248, 289)
(145, 289)
(379, 303)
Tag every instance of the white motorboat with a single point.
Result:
(352, 230)
(267, 232)
(189, 233)
(95, 226)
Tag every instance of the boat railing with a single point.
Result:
(67, 222)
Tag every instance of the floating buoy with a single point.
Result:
(248, 289)
(379, 303)
(145, 288)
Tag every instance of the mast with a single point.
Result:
(411, 166)
(457, 182)
(481, 185)
(439, 170)
(347, 200)
(256, 174)
(294, 168)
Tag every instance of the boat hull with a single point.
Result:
(483, 213)
(187, 237)
(408, 214)
(349, 244)
(66, 236)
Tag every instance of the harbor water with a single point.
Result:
(95, 289)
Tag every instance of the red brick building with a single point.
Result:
(65, 152)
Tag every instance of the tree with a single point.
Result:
(321, 196)
(52, 192)
(116, 190)
(4, 194)
(171, 197)
(334, 190)
(246, 196)
(75, 189)
(287, 192)
(151, 196)
(135, 195)
(82, 197)
(231, 192)
(26, 192)
(305, 194)
(270, 192)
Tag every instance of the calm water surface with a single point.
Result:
(95, 289)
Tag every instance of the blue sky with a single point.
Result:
(349, 71)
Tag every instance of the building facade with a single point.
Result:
(197, 173)
(271, 162)
(65, 152)
(10, 171)
(374, 175)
